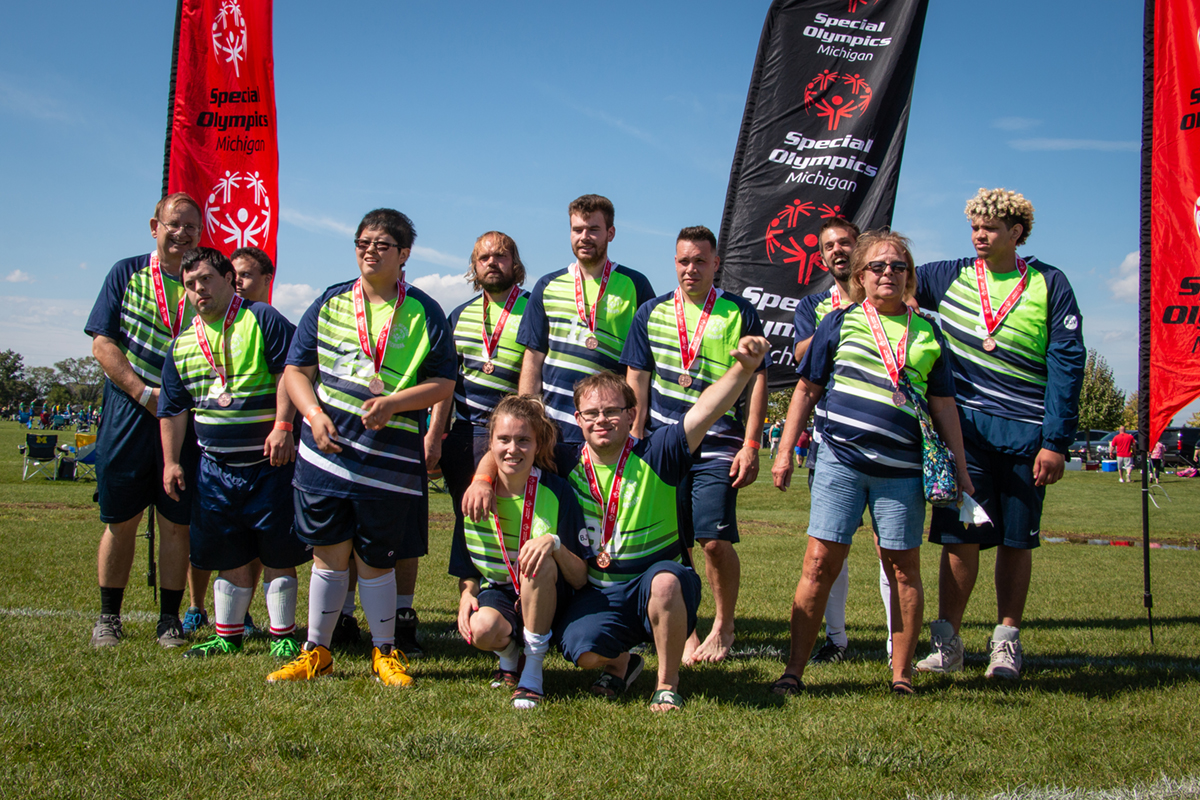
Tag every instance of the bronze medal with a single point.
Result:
(685, 380)
(989, 344)
(489, 368)
(898, 397)
(225, 400)
(603, 560)
(376, 385)
(591, 343)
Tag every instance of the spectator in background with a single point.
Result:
(1121, 447)
(1156, 457)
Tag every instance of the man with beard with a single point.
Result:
(136, 317)
(577, 318)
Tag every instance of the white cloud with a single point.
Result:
(450, 291)
(18, 276)
(1125, 279)
(293, 299)
(83, 265)
(1072, 144)
(438, 257)
(44, 330)
(1015, 123)
(37, 105)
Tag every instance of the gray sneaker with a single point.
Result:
(107, 632)
(170, 632)
(947, 649)
(1004, 659)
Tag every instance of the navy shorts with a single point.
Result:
(384, 529)
(244, 513)
(609, 621)
(503, 599)
(1004, 487)
(707, 504)
(129, 462)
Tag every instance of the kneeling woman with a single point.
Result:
(514, 565)
(874, 361)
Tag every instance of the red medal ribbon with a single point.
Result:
(364, 334)
(985, 299)
(590, 322)
(202, 339)
(689, 351)
(614, 495)
(527, 506)
(893, 364)
(491, 342)
(835, 297)
(160, 299)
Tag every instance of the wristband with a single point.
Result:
(280, 425)
(312, 412)
(484, 478)
(147, 393)
(755, 444)
(557, 541)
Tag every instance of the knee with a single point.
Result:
(906, 566)
(821, 568)
(665, 588)
(547, 575)
(717, 549)
(591, 661)
(489, 631)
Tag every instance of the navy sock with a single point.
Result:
(110, 600)
(169, 601)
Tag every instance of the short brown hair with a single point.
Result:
(697, 234)
(839, 222)
(604, 379)
(588, 204)
(170, 200)
(858, 261)
(508, 246)
(257, 256)
(531, 410)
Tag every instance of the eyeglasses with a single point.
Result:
(612, 412)
(190, 230)
(380, 246)
(879, 267)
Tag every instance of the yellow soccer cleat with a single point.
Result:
(313, 661)
(390, 666)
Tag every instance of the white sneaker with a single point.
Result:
(1004, 660)
(947, 649)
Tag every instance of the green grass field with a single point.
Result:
(1098, 707)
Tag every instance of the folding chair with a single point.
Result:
(40, 453)
(81, 458)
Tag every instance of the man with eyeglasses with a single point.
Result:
(368, 358)
(577, 318)
(139, 312)
(1016, 340)
(680, 344)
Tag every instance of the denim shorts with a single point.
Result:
(841, 494)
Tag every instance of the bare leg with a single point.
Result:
(1014, 568)
(693, 641)
(197, 580)
(539, 597)
(173, 549)
(489, 630)
(822, 563)
(956, 581)
(723, 569)
(406, 575)
(114, 559)
(668, 620)
(903, 568)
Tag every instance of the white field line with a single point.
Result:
(1163, 789)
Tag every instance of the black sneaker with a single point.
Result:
(830, 653)
(170, 631)
(406, 633)
(346, 633)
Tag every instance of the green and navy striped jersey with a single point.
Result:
(126, 312)
(476, 553)
(551, 325)
(1028, 387)
(372, 463)
(864, 428)
(809, 313)
(258, 345)
(647, 529)
(477, 393)
(653, 346)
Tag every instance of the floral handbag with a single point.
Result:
(938, 469)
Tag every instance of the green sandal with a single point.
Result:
(667, 697)
(611, 686)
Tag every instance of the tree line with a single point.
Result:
(78, 381)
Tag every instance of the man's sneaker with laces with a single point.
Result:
(406, 633)
(346, 632)
(284, 647)
(213, 646)
(170, 631)
(390, 666)
(830, 653)
(107, 631)
(947, 649)
(1004, 654)
(194, 619)
(312, 661)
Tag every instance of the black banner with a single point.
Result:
(822, 136)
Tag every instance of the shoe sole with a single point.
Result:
(321, 674)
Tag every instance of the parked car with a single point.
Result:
(1098, 447)
(1179, 445)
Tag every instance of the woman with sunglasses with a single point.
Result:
(874, 360)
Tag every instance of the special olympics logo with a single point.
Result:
(837, 96)
(229, 35)
(239, 209)
(781, 236)
(857, 4)
(1196, 215)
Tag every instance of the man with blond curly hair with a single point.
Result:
(1016, 340)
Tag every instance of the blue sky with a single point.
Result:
(477, 116)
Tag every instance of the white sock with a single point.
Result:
(835, 609)
(229, 607)
(404, 600)
(376, 595)
(281, 604)
(348, 606)
(510, 656)
(536, 647)
(885, 591)
(326, 593)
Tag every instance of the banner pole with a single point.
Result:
(1144, 299)
(171, 98)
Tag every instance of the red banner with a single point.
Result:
(222, 148)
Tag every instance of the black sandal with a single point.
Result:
(788, 685)
(903, 688)
(610, 686)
